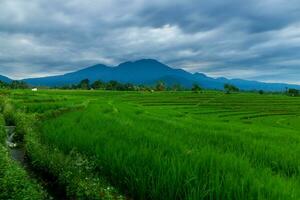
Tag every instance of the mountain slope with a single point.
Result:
(5, 79)
(148, 71)
(139, 72)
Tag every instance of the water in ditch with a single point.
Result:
(17, 153)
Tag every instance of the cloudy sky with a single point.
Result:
(251, 39)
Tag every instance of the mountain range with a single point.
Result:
(5, 79)
(149, 72)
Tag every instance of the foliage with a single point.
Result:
(2, 130)
(196, 88)
(4, 85)
(14, 85)
(177, 87)
(230, 88)
(74, 171)
(14, 182)
(261, 92)
(160, 86)
(84, 84)
(97, 85)
(18, 85)
(293, 92)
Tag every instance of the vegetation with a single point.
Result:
(230, 88)
(118, 86)
(261, 92)
(73, 171)
(160, 86)
(163, 145)
(84, 84)
(293, 92)
(13, 85)
(196, 88)
(14, 182)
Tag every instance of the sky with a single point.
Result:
(249, 39)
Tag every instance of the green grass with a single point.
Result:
(15, 183)
(177, 145)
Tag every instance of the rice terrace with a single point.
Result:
(160, 145)
(149, 100)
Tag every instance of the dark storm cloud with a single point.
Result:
(246, 39)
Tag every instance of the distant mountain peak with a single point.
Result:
(125, 63)
(142, 63)
(200, 74)
(149, 61)
(148, 72)
(93, 67)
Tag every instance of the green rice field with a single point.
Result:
(161, 145)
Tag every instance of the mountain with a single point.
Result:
(149, 72)
(140, 72)
(5, 79)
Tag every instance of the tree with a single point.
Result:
(160, 86)
(129, 87)
(98, 85)
(261, 92)
(230, 88)
(196, 88)
(177, 87)
(18, 85)
(84, 84)
(293, 92)
(4, 85)
(112, 85)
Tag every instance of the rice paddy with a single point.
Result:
(169, 145)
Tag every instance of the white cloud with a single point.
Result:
(222, 38)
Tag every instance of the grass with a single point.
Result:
(173, 145)
(72, 172)
(15, 183)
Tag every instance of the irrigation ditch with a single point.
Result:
(17, 152)
(60, 175)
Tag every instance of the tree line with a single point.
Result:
(86, 84)
(14, 85)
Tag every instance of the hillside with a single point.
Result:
(149, 71)
(5, 79)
